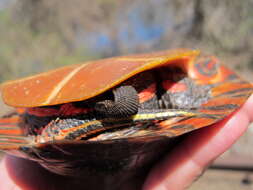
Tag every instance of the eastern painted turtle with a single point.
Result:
(112, 119)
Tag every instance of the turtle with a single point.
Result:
(113, 119)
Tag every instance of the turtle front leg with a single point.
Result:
(125, 104)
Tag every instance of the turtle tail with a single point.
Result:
(11, 135)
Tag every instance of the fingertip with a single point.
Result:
(23, 174)
(248, 108)
(6, 182)
(185, 163)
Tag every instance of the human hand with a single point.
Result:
(175, 172)
(190, 159)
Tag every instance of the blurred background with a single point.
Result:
(38, 35)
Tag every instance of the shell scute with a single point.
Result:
(80, 82)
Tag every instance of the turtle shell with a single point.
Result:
(122, 146)
(82, 81)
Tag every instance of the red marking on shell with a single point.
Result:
(223, 101)
(43, 112)
(10, 131)
(9, 126)
(69, 109)
(147, 93)
(65, 110)
(228, 86)
(204, 68)
(11, 120)
(221, 75)
(174, 87)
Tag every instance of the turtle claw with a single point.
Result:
(125, 104)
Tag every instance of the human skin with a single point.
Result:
(176, 171)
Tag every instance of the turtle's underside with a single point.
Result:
(121, 122)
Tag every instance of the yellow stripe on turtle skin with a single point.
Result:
(98, 126)
(169, 113)
(62, 134)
